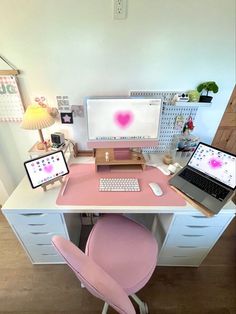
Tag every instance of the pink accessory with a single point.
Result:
(121, 256)
(84, 181)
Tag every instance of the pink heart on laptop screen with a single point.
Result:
(123, 118)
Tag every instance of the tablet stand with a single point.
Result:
(44, 185)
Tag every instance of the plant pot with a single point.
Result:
(204, 98)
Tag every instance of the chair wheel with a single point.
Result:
(146, 308)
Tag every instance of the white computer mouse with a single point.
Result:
(156, 189)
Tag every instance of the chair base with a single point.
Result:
(105, 308)
(143, 308)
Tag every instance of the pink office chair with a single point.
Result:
(120, 258)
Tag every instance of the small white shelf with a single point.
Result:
(191, 103)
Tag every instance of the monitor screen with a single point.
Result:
(46, 168)
(123, 119)
(217, 164)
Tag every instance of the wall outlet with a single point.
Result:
(120, 9)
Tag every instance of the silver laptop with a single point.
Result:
(208, 178)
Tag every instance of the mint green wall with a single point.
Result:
(75, 48)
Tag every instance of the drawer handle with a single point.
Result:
(200, 217)
(187, 246)
(191, 226)
(51, 254)
(181, 256)
(36, 224)
(32, 214)
(36, 233)
(43, 244)
(192, 235)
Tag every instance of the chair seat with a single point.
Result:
(126, 250)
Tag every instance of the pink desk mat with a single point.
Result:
(83, 189)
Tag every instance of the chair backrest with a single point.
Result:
(93, 277)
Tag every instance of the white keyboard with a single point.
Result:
(119, 185)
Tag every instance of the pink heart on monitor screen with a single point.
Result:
(124, 119)
(48, 168)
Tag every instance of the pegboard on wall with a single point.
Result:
(168, 117)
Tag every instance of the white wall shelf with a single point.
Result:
(194, 104)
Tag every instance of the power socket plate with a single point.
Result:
(120, 9)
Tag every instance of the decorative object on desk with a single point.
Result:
(208, 87)
(180, 97)
(58, 139)
(66, 117)
(37, 118)
(185, 145)
(188, 126)
(173, 168)
(194, 95)
(107, 156)
(167, 159)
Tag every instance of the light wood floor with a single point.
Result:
(53, 289)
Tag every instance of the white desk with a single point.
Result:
(184, 235)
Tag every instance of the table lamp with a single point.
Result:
(37, 118)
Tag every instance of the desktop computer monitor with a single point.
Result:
(123, 122)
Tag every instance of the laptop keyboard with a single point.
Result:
(204, 184)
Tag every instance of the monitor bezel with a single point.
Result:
(43, 156)
(126, 143)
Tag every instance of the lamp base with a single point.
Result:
(43, 145)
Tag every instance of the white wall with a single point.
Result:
(75, 48)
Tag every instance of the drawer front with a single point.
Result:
(179, 261)
(34, 220)
(44, 254)
(202, 237)
(183, 251)
(201, 220)
(38, 258)
(39, 237)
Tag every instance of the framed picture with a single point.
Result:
(66, 117)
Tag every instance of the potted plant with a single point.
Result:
(208, 87)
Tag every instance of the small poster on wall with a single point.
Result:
(11, 107)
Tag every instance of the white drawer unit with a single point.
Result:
(35, 230)
(187, 239)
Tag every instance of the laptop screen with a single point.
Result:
(215, 163)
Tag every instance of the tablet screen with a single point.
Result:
(46, 168)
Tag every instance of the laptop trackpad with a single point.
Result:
(194, 192)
